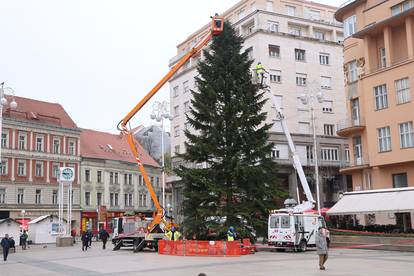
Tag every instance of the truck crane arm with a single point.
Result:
(310, 203)
(217, 25)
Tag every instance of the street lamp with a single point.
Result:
(161, 111)
(314, 94)
(3, 103)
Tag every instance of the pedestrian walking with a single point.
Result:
(5, 243)
(23, 239)
(103, 235)
(89, 235)
(84, 239)
(321, 247)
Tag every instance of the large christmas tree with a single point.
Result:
(237, 183)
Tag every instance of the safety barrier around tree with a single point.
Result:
(205, 248)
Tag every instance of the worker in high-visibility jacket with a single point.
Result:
(260, 72)
(231, 234)
(173, 234)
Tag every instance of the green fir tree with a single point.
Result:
(238, 183)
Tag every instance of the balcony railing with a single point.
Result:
(356, 162)
(348, 126)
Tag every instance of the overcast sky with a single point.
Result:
(97, 58)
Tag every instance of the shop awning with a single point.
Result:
(396, 200)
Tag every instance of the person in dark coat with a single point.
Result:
(84, 239)
(103, 235)
(5, 243)
(89, 235)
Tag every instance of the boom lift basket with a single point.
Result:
(217, 25)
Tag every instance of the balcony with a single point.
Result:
(347, 127)
(355, 164)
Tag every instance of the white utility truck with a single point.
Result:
(294, 227)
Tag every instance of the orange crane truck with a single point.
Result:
(139, 232)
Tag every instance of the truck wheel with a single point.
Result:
(302, 246)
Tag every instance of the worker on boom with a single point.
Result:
(260, 71)
(173, 234)
(231, 234)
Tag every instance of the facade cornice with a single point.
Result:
(33, 126)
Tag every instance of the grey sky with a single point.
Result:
(97, 58)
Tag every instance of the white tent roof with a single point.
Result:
(375, 201)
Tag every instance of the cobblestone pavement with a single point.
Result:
(72, 261)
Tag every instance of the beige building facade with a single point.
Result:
(300, 44)
(379, 70)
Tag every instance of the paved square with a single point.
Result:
(72, 261)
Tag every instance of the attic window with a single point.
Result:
(109, 146)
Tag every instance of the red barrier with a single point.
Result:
(204, 248)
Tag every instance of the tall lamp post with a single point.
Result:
(4, 103)
(161, 111)
(314, 94)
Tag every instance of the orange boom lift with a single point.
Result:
(216, 29)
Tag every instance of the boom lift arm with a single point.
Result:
(310, 203)
(216, 29)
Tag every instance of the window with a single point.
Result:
(384, 139)
(329, 154)
(55, 197)
(152, 180)
(350, 26)
(116, 200)
(406, 135)
(22, 141)
(272, 26)
(383, 59)
(176, 92)
(20, 196)
(145, 200)
(314, 14)
(275, 76)
(55, 170)
(186, 106)
(2, 195)
(4, 167)
(275, 153)
(347, 154)
(56, 145)
(299, 55)
(381, 99)
(309, 152)
(248, 29)
(319, 35)
(324, 59)
(39, 143)
(126, 179)
(87, 198)
(186, 87)
(140, 180)
(304, 127)
(128, 200)
(176, 111)
(38, 196)
(399, 180)
(4, 140)
(111, 178)
(327, 107)
(285, 221)
(401, 7)
(295, 30)
(241, 14)
(39, 169)
(176, 131)
(87, 176)
(116, 180)
(71, 148)
(140, 200)
(99, 176)
(269, 6)
(21, 168)
(291, 10)
(328, 129)
(130, 179)
(352, 71)
(402, 88)
(177, 149)
(301, 79)
(111, 199)
(99, 199)
(326, 82)
(274, 51)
